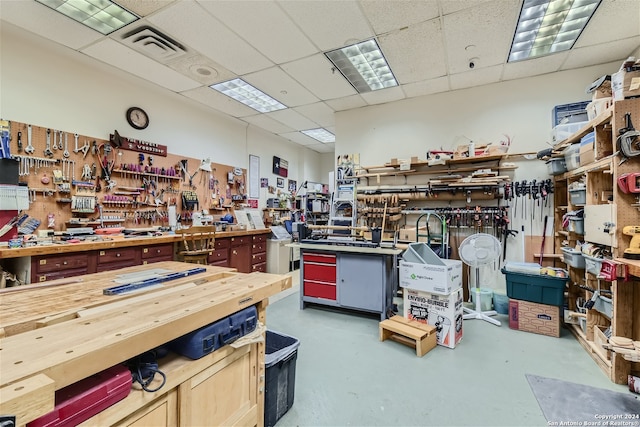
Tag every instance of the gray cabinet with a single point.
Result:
(359, 278)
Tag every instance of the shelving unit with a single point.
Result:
(601, 178)
(316, 206)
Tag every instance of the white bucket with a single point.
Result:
(486, 297)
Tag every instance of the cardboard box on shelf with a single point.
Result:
(537, 318)
(625, 84)
(598, 106)
(442, 311)
(410, 234)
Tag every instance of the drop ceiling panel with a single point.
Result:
(299, 138)
(329, 24)
(315, 73)
(120, 56)
(489, 28)
(201, 69)
(293, 119)
(346, 103)
(323, 148)
(385, 15)
(264, 25)
(189, 23)
(319, 112)
(267, 123)
(452, 6)
(48, 23)
(383, 95)
(281, 86)
(534, 67)
(220, 102)
(476, 77)
(613, 20)
(144, 8)
(416, 53)
(426, 87)
(606, 52)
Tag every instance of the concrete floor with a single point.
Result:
(346, 376)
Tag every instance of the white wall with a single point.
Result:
(51, 86)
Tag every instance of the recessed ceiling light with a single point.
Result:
(103, 16)
(549, 26)
(320, 134)
(243, 92)
(364, 66)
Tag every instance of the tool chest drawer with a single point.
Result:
(319, 257)
(61, 262)
(258, 258)
(259, 247)
(158, 251)
(319, 272)
(117, 255)
(319, 290)
(262, 267)
(241, 240)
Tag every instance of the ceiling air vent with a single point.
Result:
(152, 43)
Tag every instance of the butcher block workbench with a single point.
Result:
(57, 333)
(244, 250)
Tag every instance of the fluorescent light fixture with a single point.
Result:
(104, 16)
(549, 26)
(320, 134)
(243, 92)
(364, 66)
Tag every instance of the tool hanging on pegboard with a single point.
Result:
(628, 139)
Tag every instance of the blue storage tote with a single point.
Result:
(281, 353)
(536, 288)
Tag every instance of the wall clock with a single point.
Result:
(137, 118)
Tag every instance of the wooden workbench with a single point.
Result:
(59, 334)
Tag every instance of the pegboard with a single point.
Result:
(138, 193)
(627, 213)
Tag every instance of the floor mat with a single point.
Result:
(562, 401)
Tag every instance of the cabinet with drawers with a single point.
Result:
(157, 253)
(220, 256)
(319, 275)
(240, 253)
(259, 253)
(110, 259)
(59, 266)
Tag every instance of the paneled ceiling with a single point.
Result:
(278, 46)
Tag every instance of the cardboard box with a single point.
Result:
(442, 279)
(442, 311)
(410, 234)
(537, 318)
(598, 106)
(625, 84)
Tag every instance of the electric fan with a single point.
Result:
(476, 251)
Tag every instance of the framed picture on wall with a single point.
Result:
(280, 182)
(293, 186)
(264, 182)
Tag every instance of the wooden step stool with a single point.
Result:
(409, 332)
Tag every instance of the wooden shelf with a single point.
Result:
(554, 256)
(601, 164)
(602, 118)
(633, 264)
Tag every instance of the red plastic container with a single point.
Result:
(80, 401)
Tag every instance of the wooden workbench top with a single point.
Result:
(80, 331)
(109, 242)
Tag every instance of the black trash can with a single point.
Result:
(281, 352)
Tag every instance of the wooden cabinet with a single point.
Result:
(220, 255)
(259, 253)
(240, 253)
(157, 253)
(607, 209)
(110, 259)
(52, 267)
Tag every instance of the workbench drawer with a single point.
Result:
(158, 251)
(259, 238)
(222, 243)
(115, 255)
(223, 263)
(62, 262)
(258, 258)
(241, 240)
(259, 247)
(262, 267)
(43, 277)
(319, 272)
(123, 263)
(320, 290)
(218, 255)
(157, 259)
(319, 257)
